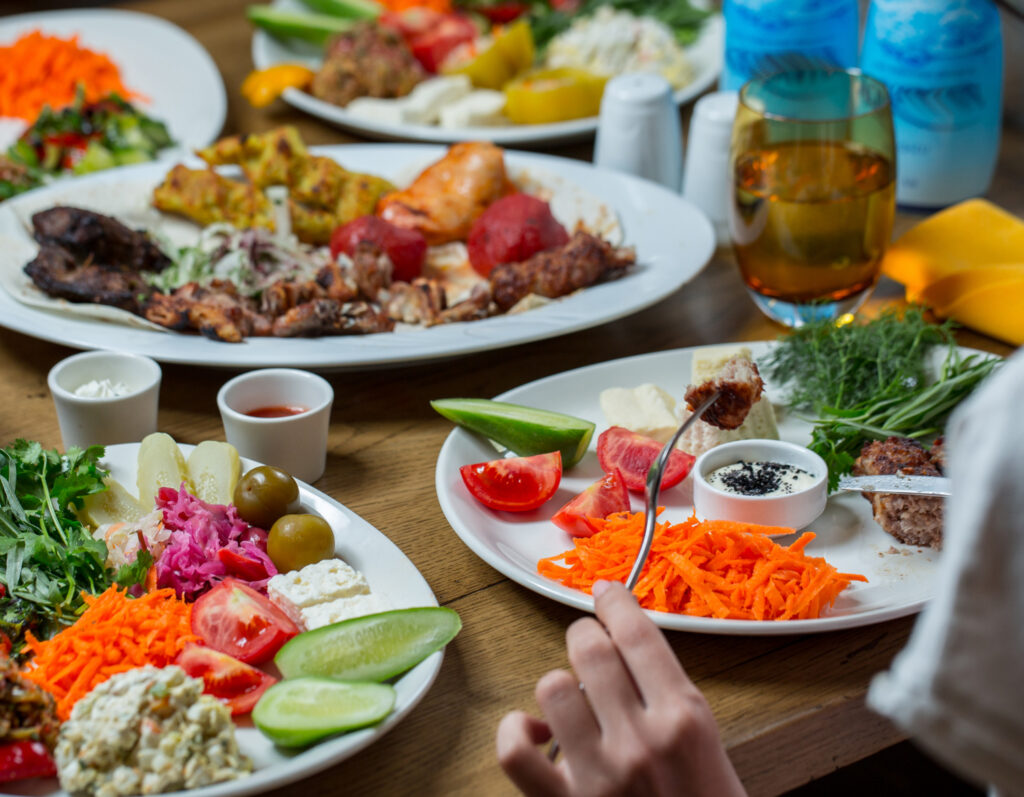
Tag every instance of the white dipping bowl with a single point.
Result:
(794, 510)
(86, 421)
(294, 443)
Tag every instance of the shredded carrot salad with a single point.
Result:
(114, 634)
(710, 568)
(38, 70)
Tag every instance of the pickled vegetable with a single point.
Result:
(213, 468)
(113, 505)
(554, 95)
(492, 65)
(161, 464)
(264, 494)
(299, 540)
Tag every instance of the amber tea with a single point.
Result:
(811, 219)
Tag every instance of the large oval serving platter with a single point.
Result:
(188, 97)
(705, 54)
(901, 578)
(389, 572)
(672, 238)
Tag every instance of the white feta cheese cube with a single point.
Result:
(377, 109)
(481, 108)
(424, 103)
(645, 409)
(320, 582)
(342, 609)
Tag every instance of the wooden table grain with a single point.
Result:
(790, 709)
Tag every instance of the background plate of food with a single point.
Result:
(900, 578)
(389, 578)
(465, 73)
(639, 241)
(189, 99)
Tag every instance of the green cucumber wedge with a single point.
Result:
(350, 9)
(297, 712)
(315, 28)
(370, 648)
(524, 430)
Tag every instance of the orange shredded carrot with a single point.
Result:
(38, 70)
(114, 634)
(442, 6)
(710, 568)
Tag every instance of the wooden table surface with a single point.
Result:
(790, 709)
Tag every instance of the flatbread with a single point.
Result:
(130, 201)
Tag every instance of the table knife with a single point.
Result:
(895, 483)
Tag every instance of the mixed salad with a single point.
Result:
(137, 627)
(477, 62)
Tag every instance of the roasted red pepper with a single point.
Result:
(25, 759)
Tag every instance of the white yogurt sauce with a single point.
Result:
(761, 479)
(102, 388)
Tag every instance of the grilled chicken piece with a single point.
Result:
(584, 261)
(216, 311)
(57, 273)
(328, 317)
(281, 296)
(371, 270)
(337, 283)
(419, 302)
(911, 519)
(477, 306)
(448, 196)
(206, 197)
(98, 238)
(741, 386)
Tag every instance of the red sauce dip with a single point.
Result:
(277, 411)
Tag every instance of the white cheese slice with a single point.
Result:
(425, 102)
(320, 582)
(645, 409)
(481, 108)
(342, 609)
(377, 109)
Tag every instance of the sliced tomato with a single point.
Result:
(235, 619)
(599, 500)
(632, 455)
(25, 759)
(231, 681)
(500, 13)
(430, 46)
(515, 484)
(242, 566)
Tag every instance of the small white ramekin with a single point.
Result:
(294, 443)
(88, 421)
(795, 510)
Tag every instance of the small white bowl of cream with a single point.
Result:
(768, 482)
(105, 397)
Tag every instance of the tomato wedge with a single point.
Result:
(514, 484)
(235, 619)
(599, 500)
(234, 683)
(633, 454)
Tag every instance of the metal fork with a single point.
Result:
(654, 476)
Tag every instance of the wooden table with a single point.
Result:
(790, 709)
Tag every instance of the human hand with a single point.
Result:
(629, 722)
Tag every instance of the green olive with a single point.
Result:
(264, 494)
(299, 540)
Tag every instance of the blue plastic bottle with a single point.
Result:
(942, 61)
(765, 36)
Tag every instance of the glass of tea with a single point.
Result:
(813, 191)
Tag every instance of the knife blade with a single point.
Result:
(896, 483)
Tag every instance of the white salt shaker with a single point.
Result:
(639, 132)
(707, 177)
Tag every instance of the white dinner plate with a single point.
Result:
(705, 54)
(901, 578)
(672, 238)
(389, 573)
(156, 58)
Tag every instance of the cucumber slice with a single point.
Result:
(297, 712)
(524, 430)
(113, 505)
(351, 9)
(161, 464)
(370, 648)
(315, 28)
(214, 469)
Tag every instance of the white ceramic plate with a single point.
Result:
(901, 578)
(156, 58)
(705, 54)
(673, 241)
(389, 573)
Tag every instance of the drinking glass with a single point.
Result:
(813, 191)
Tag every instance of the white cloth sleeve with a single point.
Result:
(958, 686)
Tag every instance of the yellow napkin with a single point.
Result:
(966, 263)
